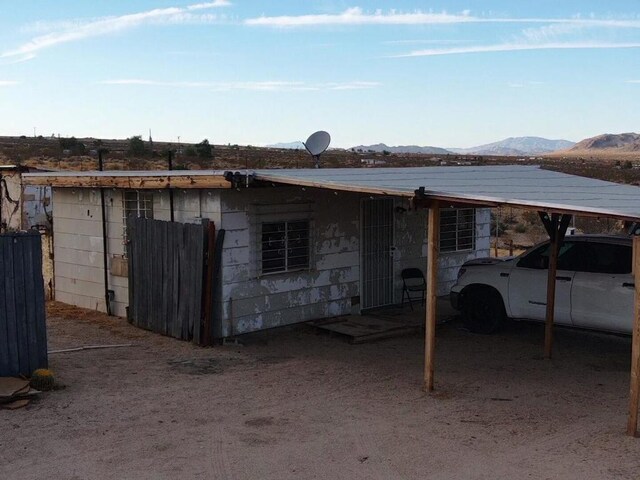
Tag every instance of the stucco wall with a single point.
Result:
(23, 206)
(11, 193)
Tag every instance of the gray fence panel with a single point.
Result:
(166, 268)
(23, 337)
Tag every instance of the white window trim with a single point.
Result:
(146, 207)
(457, 249)
(286, 269)
(274, 213)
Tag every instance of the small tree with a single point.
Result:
(190, 151)
(204, 149)
(73, 145)
(136, 145)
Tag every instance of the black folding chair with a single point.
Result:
(413, 283)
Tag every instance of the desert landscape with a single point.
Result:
(293, 403)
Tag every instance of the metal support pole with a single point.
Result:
(105, 243)
(170, 161)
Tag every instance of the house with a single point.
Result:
(291, 252)
(22, 206)
(372, 162)
(304, 244)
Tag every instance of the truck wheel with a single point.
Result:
(483, 310)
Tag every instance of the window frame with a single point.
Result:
(286, 247)
(143, 204)
(460, 242)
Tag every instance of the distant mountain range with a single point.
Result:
(623, 142)
(517, 146)
(381, 147)
(288, 145)
(512, 146)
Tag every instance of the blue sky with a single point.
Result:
(448, 73)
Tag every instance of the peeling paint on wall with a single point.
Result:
(249, 300)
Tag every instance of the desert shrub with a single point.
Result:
(530, 217)
(136, 145)
(204, 149)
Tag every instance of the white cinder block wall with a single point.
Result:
(247, 300)
(78, 251)
(252, 302)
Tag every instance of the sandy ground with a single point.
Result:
(296, 404)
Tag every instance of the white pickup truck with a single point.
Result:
(594, 286)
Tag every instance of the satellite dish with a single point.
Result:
(316, 144)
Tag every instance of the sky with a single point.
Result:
(447, 74)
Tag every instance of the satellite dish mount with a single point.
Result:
(316, 144)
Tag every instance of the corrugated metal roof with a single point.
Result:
(518, 185)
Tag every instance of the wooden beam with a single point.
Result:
(433, 237)
(131, 182)
(634, 388)
(556, 227)
(551, 289)
(426, 203)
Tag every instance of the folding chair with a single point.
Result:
(413, 282)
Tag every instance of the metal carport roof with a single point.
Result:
(518, 185)
(555, 195)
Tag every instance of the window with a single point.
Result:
(571, 256)
(285, 246)
(611, 258)
(457, 229)
(137, 203)
(582, 257)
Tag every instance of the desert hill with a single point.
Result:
(623, 142)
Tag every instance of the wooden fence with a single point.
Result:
(23, 333)
(166, 277)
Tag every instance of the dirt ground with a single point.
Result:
(296, 404)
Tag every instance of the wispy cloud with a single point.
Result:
(550, 33)
(632, 81)
(72, 31)
(8, 83)
(513, 47)
(423, 42)
(257, 86)
(357, 16)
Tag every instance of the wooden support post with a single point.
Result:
(208, 286)
(634, 388)
(551, 296)
(433, 236)
(556, 227)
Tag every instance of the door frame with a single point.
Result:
(391, 285)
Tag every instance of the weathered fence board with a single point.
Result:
(23, 337)
(166, 268)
